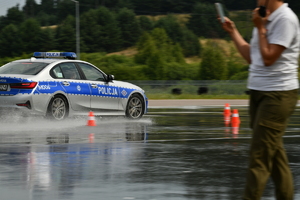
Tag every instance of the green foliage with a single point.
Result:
(66, 35)
(47, 40)
(177, 71)
(213, 65)
(93, 58)
(172, 27)
(64, 8)
(46, 19)
(163, 60)
(13, 39)
(243, 23)
(6, 60)
(10, 41)
(191, 72)
(30, 31)
(163, 44)
(155, 66)
(145, 46)
(189, 89)
(177, 54)
(109, 63)
(156, 51)
(30, 8)
(88, 56)
(235, 66)
(130, 29)
(90, 31)
(147, 6)
(225, 88)
(109, 26)
(241, 5)
(243, 75)
(204, 23)
(47, 6)
(150, 55)
(116, 4)
(57, 10)
(190, 43)
(100, 31)
(180, 34)
(14, 16)
(123, 68)
(145, 23)
(110, 34)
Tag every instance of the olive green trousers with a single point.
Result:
(269, 112)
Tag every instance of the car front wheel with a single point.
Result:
(58, 108)
(135, 107)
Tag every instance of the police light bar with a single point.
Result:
(68, 55)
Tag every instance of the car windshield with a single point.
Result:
(25, 68)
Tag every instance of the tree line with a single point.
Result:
(113, 25)
(53, 10)
(100, 30)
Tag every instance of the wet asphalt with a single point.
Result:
(176, 152)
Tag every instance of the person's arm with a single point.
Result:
(269, 52)
(242, 46)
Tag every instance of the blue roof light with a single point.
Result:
(69, 55)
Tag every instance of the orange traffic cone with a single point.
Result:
(227, 114)
(235, 122)
(91, 119)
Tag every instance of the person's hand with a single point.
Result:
(259, 22)
(228, 25)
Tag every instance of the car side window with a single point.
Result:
(91, 73)
(57, 73)
(69, 70)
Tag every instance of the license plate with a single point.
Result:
(3, 87)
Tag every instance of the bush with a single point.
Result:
(122, 67)
(213, 65)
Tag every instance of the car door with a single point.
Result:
(77, 90)
(105, 95)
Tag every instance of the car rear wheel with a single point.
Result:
(135, 107)
(58, 108)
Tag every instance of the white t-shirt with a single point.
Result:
(282, 29)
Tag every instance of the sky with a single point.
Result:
(6, 4)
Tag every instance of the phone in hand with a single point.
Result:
(262, 11)
(220, 11)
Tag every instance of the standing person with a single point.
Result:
(273, 82)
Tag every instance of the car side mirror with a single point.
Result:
(110, 78)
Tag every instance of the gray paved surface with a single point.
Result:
(169, 103)
(196, 102)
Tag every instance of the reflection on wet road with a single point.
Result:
(175, 154)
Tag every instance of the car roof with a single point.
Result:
(53, 60)
(46, 60)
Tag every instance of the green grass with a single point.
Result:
(191, 96)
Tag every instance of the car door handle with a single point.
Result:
(65, 83)
(94, 86)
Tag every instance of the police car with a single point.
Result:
(56, 85)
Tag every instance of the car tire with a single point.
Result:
(58, 108)
(135, 107)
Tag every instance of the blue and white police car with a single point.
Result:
(56, 85)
